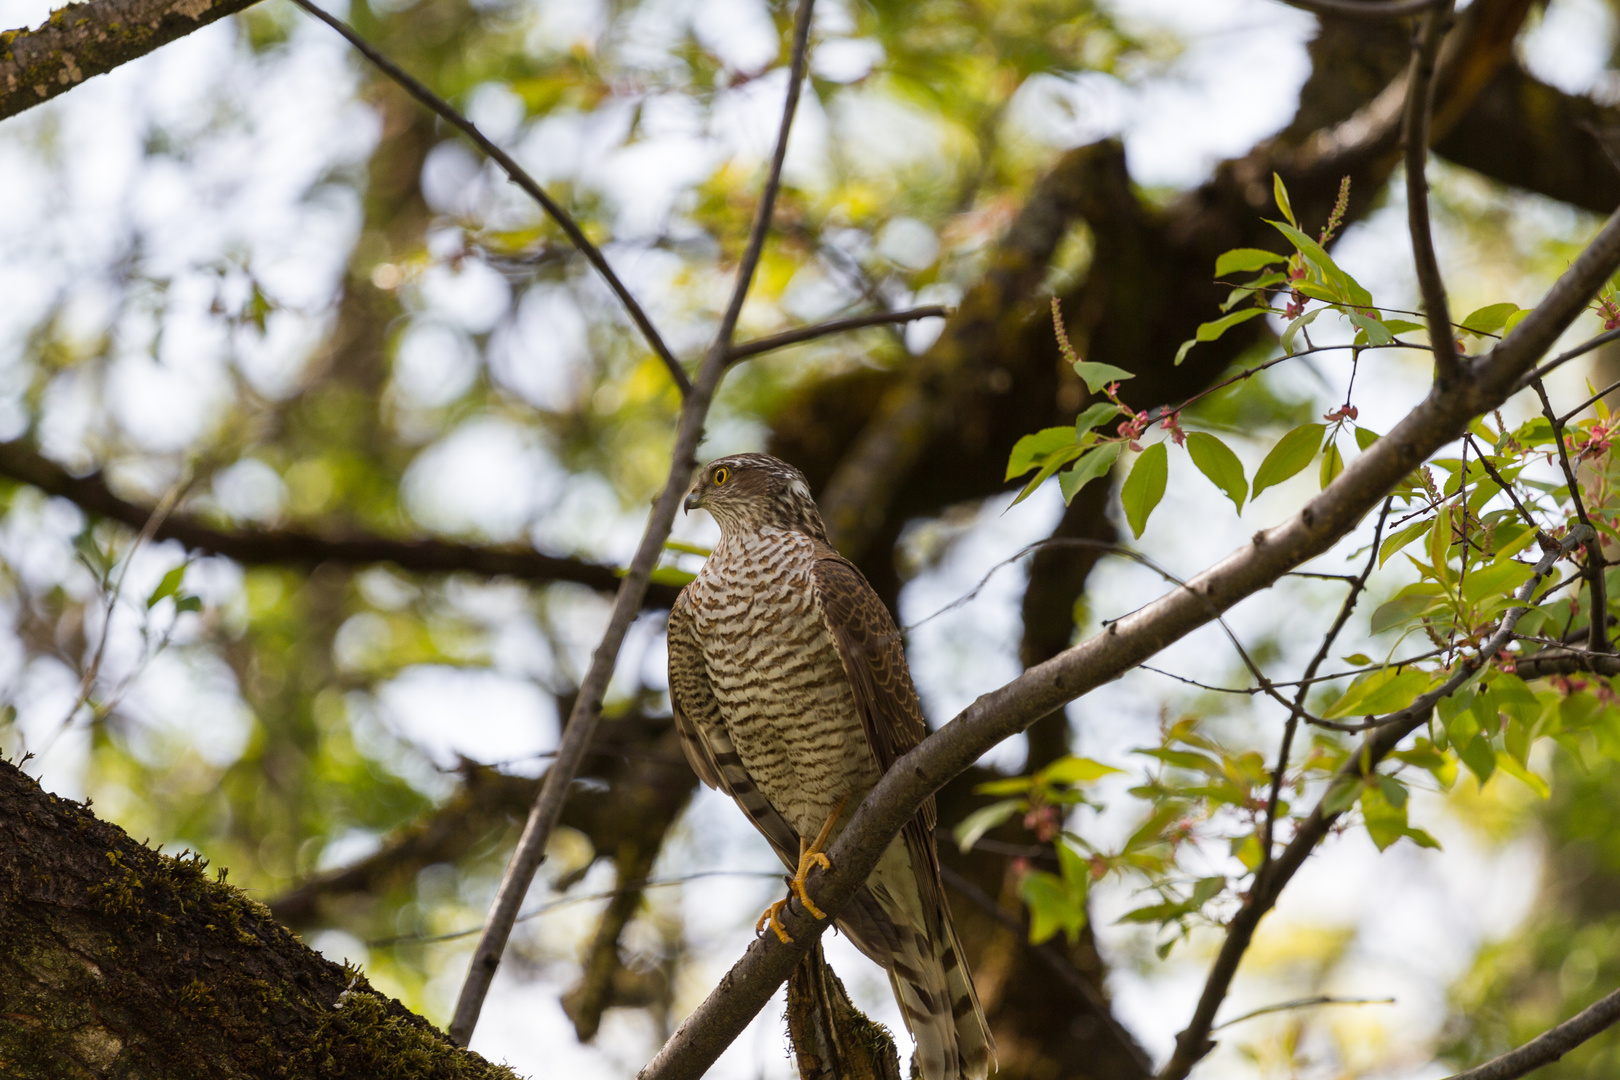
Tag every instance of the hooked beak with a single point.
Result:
(693, 501)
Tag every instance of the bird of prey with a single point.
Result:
(792, 695)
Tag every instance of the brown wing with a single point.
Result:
(875, 660)
(703, 733)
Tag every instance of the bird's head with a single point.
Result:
(749, 492)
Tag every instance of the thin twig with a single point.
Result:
(1419, 104)
(568, 901)
(837, 326)
(522, 179)
(582, 720)
(1298, 710)
(1563, 358)
(1551, 1044)
(1507, 489)
(1194, 1041)
(1603, 393)
(1301, 1003)
(1598, 638)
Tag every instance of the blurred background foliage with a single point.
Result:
(249, 280)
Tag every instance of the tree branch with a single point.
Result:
(1419, 105)
(1551, 1044)
(292, 547)
(522, 179)
(1440, 418)
(583, 717)
(837, 326)
(80, 41)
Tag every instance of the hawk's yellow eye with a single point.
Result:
(721, 475)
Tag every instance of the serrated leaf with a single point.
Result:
(1028, 451)
(1217, 461)
(973, 827)
(1144, 488)
(1292, 453)
(1098, 375)
(1094, 463)
(1241, 260)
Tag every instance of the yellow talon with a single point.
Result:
(810, 856)
(773, 915)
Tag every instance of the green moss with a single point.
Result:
(362, 1038)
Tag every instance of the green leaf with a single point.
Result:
(1144, 488)
(1217, 461)
(1247, 851)
(1053, 906)
(1332, 464)
(1348, 289)
(1013, 785)
(1402, 326)
(1187, 759)
(1100, 413)
(1097, 375)
(1049, 465)
(1489, 319)
(1506, 763)
(1074, 770)
(1400, 611)
(1379, 692)
(1295, 327)
(1292, 453)
(1479, 757)
(1400, 539)
(1093, 464)
(1240, 260)
(1157, 913)
(1281, 193)
(1377, 333)
(1497, 579)
(188, 603)
(981, 821)
(166, 587)
(1365, 437)
(100, 562)
(1028, 451)
(1213, 329)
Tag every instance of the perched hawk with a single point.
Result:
(792, 695)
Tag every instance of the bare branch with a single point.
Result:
(1597, 637)
(583, 717)
(1419, 106)
(522, 179)
(1000, 713)
(292, 547)
(837, 326)
(79, 41)
(1551, 1044)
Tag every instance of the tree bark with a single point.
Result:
(83, 40)
(832, 1039)
(118, 961)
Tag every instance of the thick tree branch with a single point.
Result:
(117, 961)
(587, 708)
(292, 547)
(1437, 420)
(79, 41)
(1551, 1044)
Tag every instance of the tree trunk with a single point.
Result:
(832, 1039)
(118, 961)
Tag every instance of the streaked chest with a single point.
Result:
(776, 673)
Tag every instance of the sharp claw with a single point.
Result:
(773, 916)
